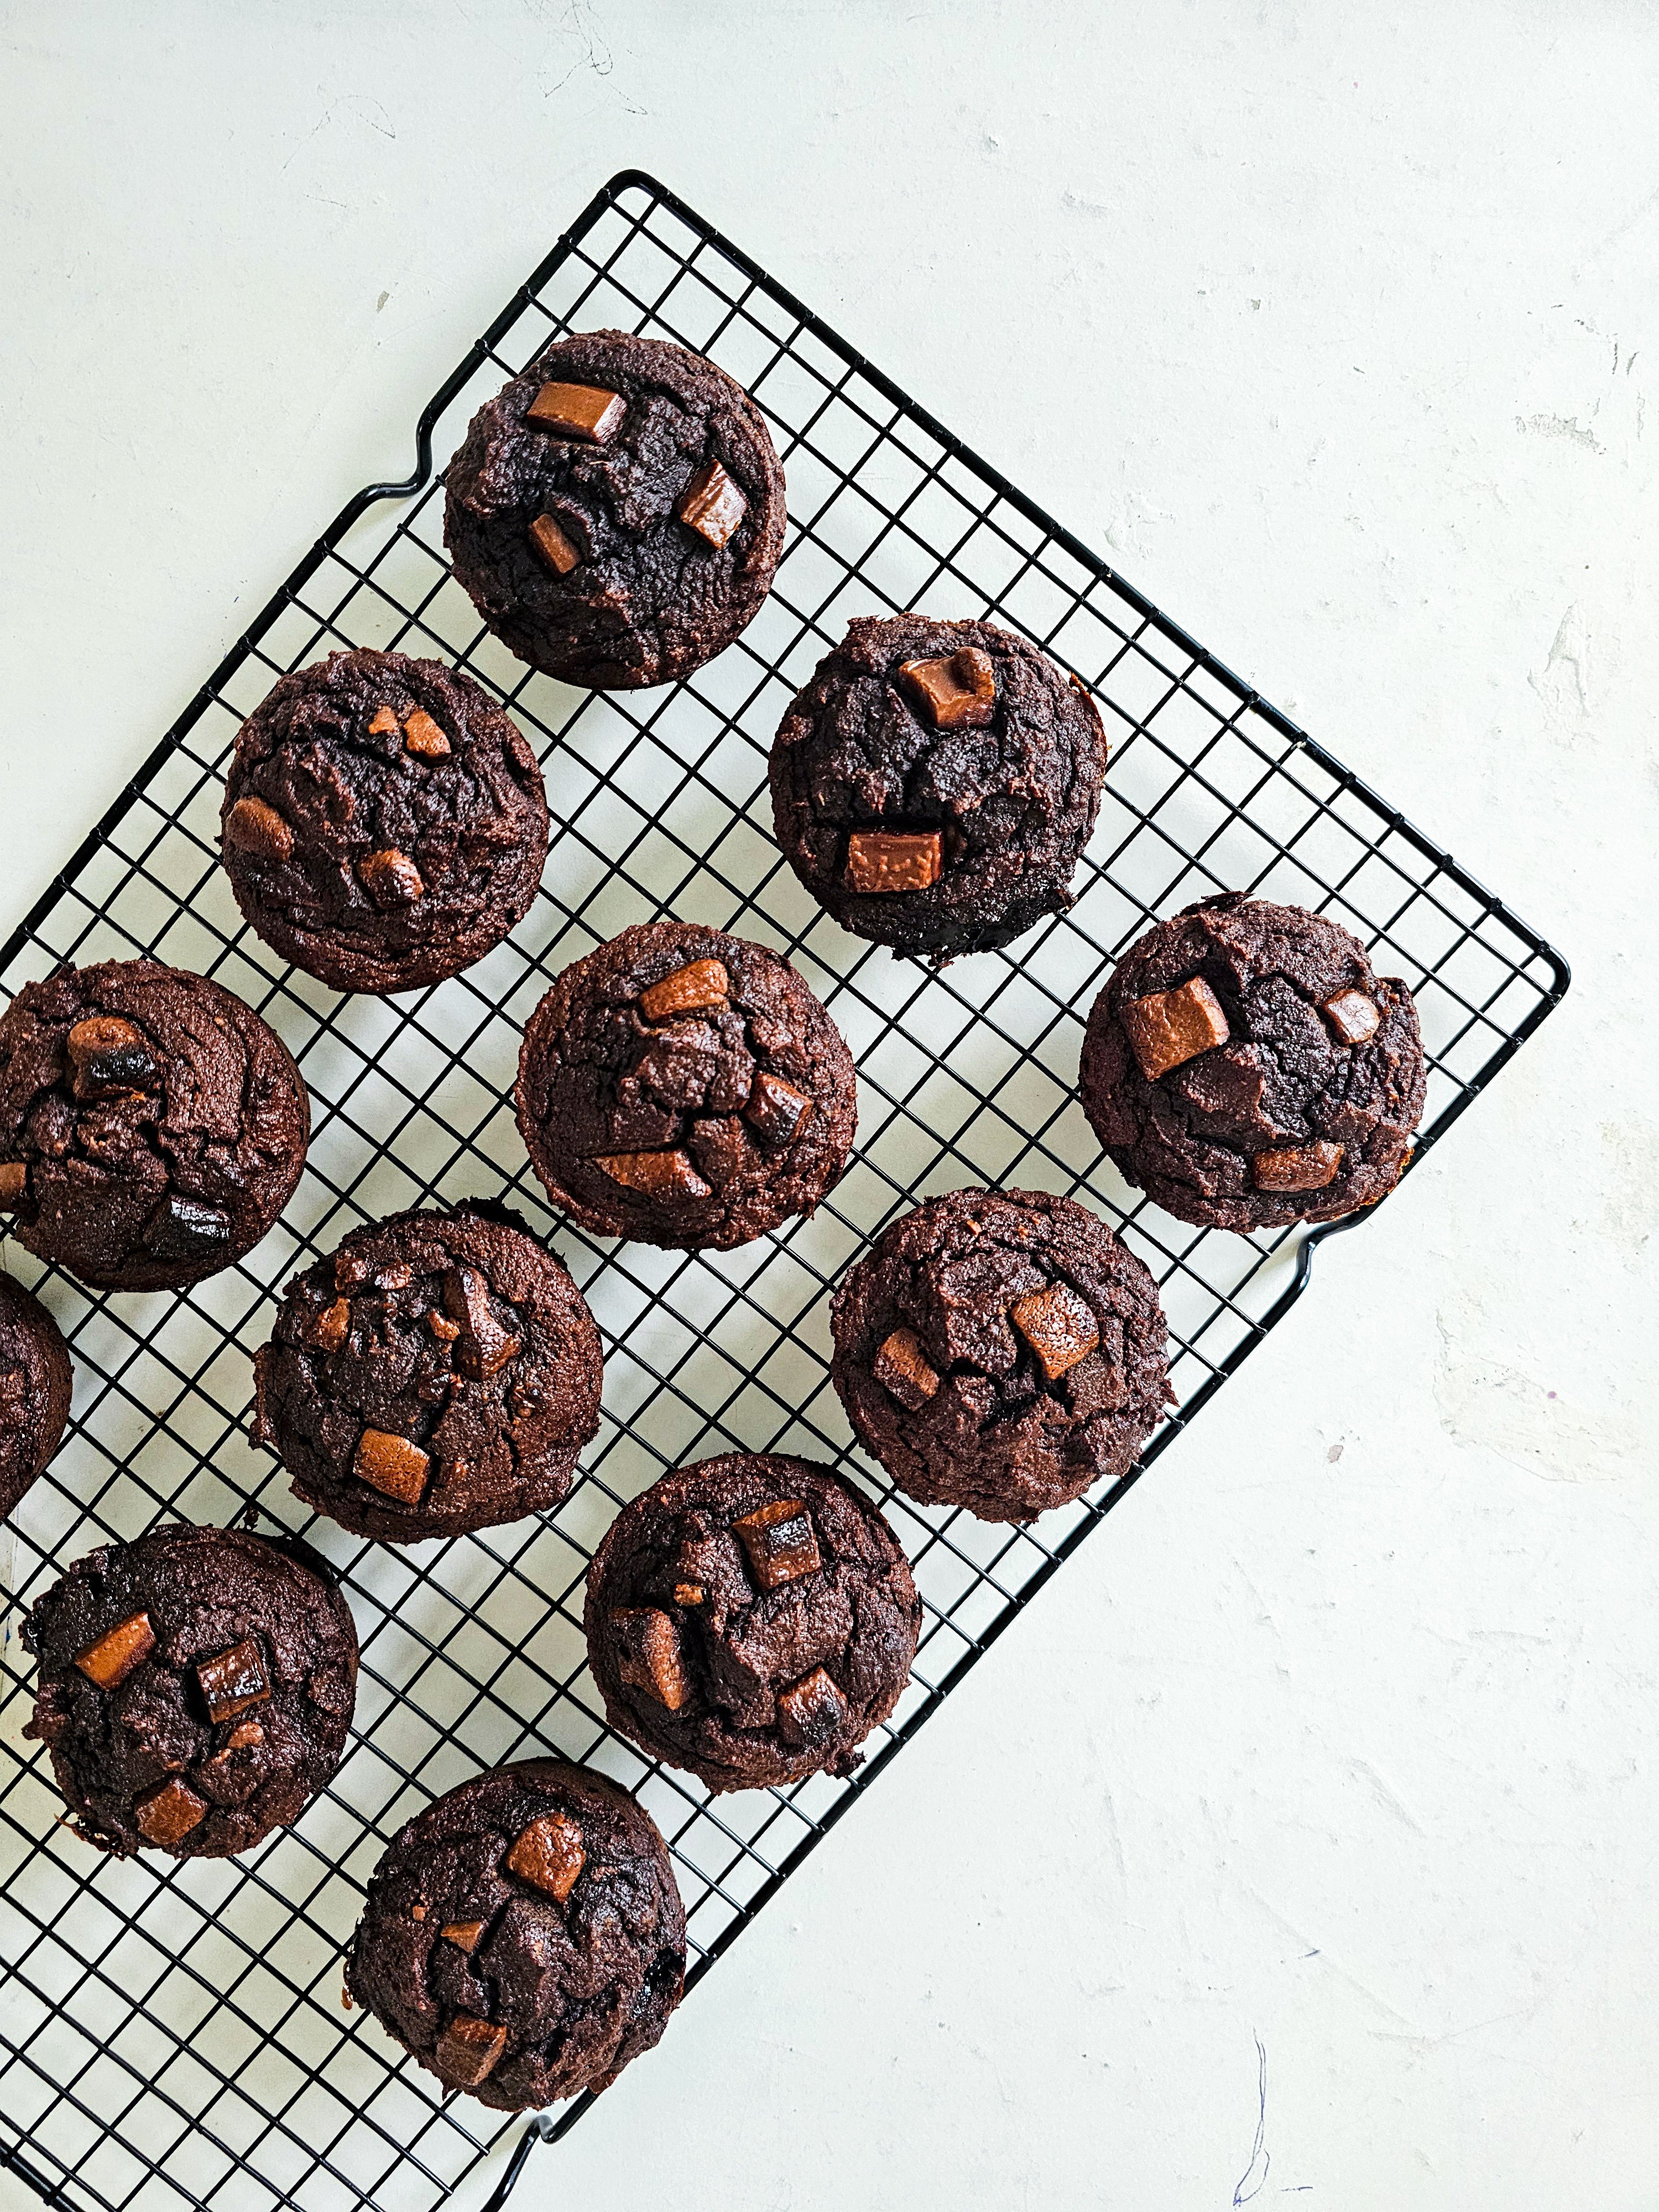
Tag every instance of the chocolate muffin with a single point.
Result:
(1245, 1067)
(616, 511)
(934, 785)
(999, 1350)
(35, 1382)
(384, 822)
(196, 1688)
(151, 1127)
(685, 1088)
(751, 1619)
(439, 1374)
(523, 1938)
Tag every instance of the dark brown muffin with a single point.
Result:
(685, 1088)
(384, 822)
(999, 1350)
(934, 785)
(1247, 1069)
(196, 1688)
(35, 1382)
(751, 1619)
(523, 1938)
(440, 1373)
(151, 1127)
(616, 511)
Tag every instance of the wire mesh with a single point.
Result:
(178, 2030)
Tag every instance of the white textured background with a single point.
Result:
(1337, 327)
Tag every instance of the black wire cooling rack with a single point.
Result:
(175, 2033)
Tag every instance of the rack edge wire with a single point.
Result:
(545, 2128)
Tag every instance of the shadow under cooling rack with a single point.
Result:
(176, 2031)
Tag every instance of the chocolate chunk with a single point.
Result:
(14, 1182)
(464, 1934)
(1059, 1325)
(168, 1814)
(1353, 1017)
(658, 1175)
(245, 1735)
(253, 827)
(383, 723)
(699, 984)
(109, 1057)
(688, 1593)
(483, 1347)
(812, 1711)
(903, 1370)
(719, 1145)
(584, 411)
(554, 546)
(418, 1912)
(391, 1464)
(893, 860)
(648, 1655)
(957, 691)
(780, 1540)
(1095, 1386)
(330, 1328)
(1171, 1027)
(775, 1108)
(442, 1327)
(422, 737)
(234, 1680)
(351, 1271)
(468, 2050)
(550, 1854)
(186, 1228)
(391, 878)
(712, 505)
(1298, 1167)
(113, 1656)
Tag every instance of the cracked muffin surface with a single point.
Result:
(616, 511)
(385, 824)
(1001, 1351)
(152, 1126)
(686, 1088)
(751, 1617)
(1247, 1069)
(934, 784)
(440, 1373)
(196, 1688)
(523, 1938)
(36, 1379)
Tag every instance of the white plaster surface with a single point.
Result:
(1338, 327)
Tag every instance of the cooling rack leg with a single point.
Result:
(538, 2130)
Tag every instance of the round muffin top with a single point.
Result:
(384, 822)
(684, 1087)
(151, 1127)
(1247, 1069)
(36, 1379)
(999, 1350)
(524, 1937)
(196, 1688)
(934, 785)
(616, 511)
(751, 1619)
(440, 1373)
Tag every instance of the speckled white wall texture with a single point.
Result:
(1338, 327)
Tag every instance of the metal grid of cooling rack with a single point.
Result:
(176, 2032)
